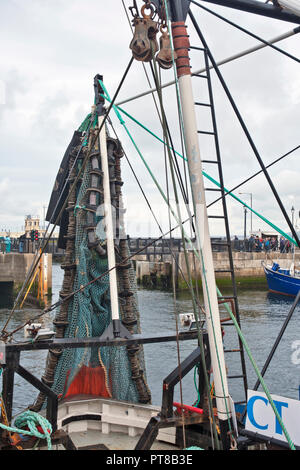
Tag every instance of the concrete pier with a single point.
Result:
(15, 266)
(248, 268)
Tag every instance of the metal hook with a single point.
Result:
(133, 9)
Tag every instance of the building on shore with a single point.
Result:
(32, 222)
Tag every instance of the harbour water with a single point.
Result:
(262, 315)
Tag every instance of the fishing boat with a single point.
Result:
(282, 281)
(93, 393)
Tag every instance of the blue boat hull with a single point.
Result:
(282, 283)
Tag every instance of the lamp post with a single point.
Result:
(250, 194)
(293, 214)
(245, 227)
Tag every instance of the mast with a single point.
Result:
(115, 329)
(113, 286)
(181, 46)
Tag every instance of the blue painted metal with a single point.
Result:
(280, 280)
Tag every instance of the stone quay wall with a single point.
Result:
(247, 267)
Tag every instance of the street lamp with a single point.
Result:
(245, 227)
(250, 194)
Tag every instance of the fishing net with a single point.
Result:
(115, 372)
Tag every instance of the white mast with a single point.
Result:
(181, 45)
(108, 218)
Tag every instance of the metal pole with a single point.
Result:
(250, 194)
(258, 8)
(245, 227)
(221, 62)
(181, 44)
(245, 129)
(293, 246)
(251, 212)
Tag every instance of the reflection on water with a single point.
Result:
(274, 298)
(262, 316)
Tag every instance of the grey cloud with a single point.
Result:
(48, 65)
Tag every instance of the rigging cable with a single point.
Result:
(206, 175)
(144, 67)
(222, 62)
(267, 43)
(244, 127)
(255, 174)
(122, 121)
(77, 177)
(158, 113)
(152, 212)
(283, 210)
(201, 344)
(165, 137)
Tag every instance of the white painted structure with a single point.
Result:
(110, 416)
(293, 6)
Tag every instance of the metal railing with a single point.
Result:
(26, 245)
(161, 247)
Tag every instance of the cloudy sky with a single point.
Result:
(52, 49)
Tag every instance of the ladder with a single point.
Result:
(217, 163)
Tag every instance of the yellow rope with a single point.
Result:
(105, 373)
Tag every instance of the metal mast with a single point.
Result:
(177, 11)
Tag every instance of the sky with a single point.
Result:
(52, 49)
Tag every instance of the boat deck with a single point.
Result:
(95, 440)
(108, 424)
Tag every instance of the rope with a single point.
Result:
(28, 419)
(86, 159)
(193, 448)
(219, 293)
(85, 124)
(31, 420)
(160, 190)
(197, 234)
(256, 369)
(266, 43)
(77, 208)
(165, 135)
(206, 175)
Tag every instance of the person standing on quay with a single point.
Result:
(7, 242)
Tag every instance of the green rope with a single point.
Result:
(118, 109)
(31, 420)
(260, 377)
(85, 124)
(252, 210)
(218, 291)
(77, 208)
(179, 222)
(168, 147)
(196, 368)
(193, 448)
(200, 250)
